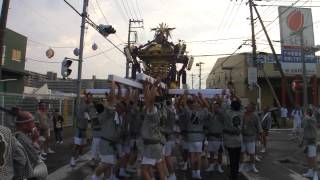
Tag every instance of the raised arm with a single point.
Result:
(203, 102)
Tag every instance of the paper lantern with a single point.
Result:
(76, 51)
(50, 53)
(94, 46)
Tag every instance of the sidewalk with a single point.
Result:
(284, 159)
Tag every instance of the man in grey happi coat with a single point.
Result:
(251, 129)
(151, 135)
(109, 137)
(214, 125)
(82, 125)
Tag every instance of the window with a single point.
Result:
(16, 55)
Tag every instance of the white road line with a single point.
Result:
(64, 171)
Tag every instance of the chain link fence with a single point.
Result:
(29, 102)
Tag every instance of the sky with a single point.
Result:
(53, 24)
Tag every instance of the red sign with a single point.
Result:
(295, 20)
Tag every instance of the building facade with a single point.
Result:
(13, 62)
(232, 72)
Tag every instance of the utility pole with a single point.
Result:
(192, 75)
(83, 24)
(253, 37)
(3, 24)
(131, 21)
(200, 70)
(304, 73)
(275, 57)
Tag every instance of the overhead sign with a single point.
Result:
(296, 23)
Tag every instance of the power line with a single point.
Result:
(223, 18)
(125, 10)
(101, 11)
(278, 16)
(41, 61)
(121, 11)
(273, 26)
(93, 25)
(210, 40)
(47, 45)
(139, 10)
(133, 9)
(102, 52)
(105, 19)
(234, 16)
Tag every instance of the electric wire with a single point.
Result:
(129, 15)
(139, 9)
(99, 7)
(235, 15)
(133, 9)
(123, 15)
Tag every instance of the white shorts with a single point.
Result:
(168, 146)
(95, 147)
(108, 159)
(249, 148)
(312, 151)
(79, 141)
(150, 161)
(195, 147)
(214, 146)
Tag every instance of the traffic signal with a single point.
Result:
(105, 30)
(65, 71)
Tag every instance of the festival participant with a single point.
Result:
(136, 144)
(309, 125)
(181, 122)
(57, 125)
(297, 116)
(251, 128)
(14, 163)
(266, 125)
(284, 116)
(232, 136)
(109, 136)
(82, 125)
(151, 135)
(96, 131)
(25, 130)
(41, 120)
(169, 133)
(195, 112)
(214, 126)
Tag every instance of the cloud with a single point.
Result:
(55, 24)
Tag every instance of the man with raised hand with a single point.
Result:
(152, 138)
(195, 113)
(109, 136)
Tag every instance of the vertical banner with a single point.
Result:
(293, 22)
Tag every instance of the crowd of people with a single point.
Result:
(155, 133)
(127, 130)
